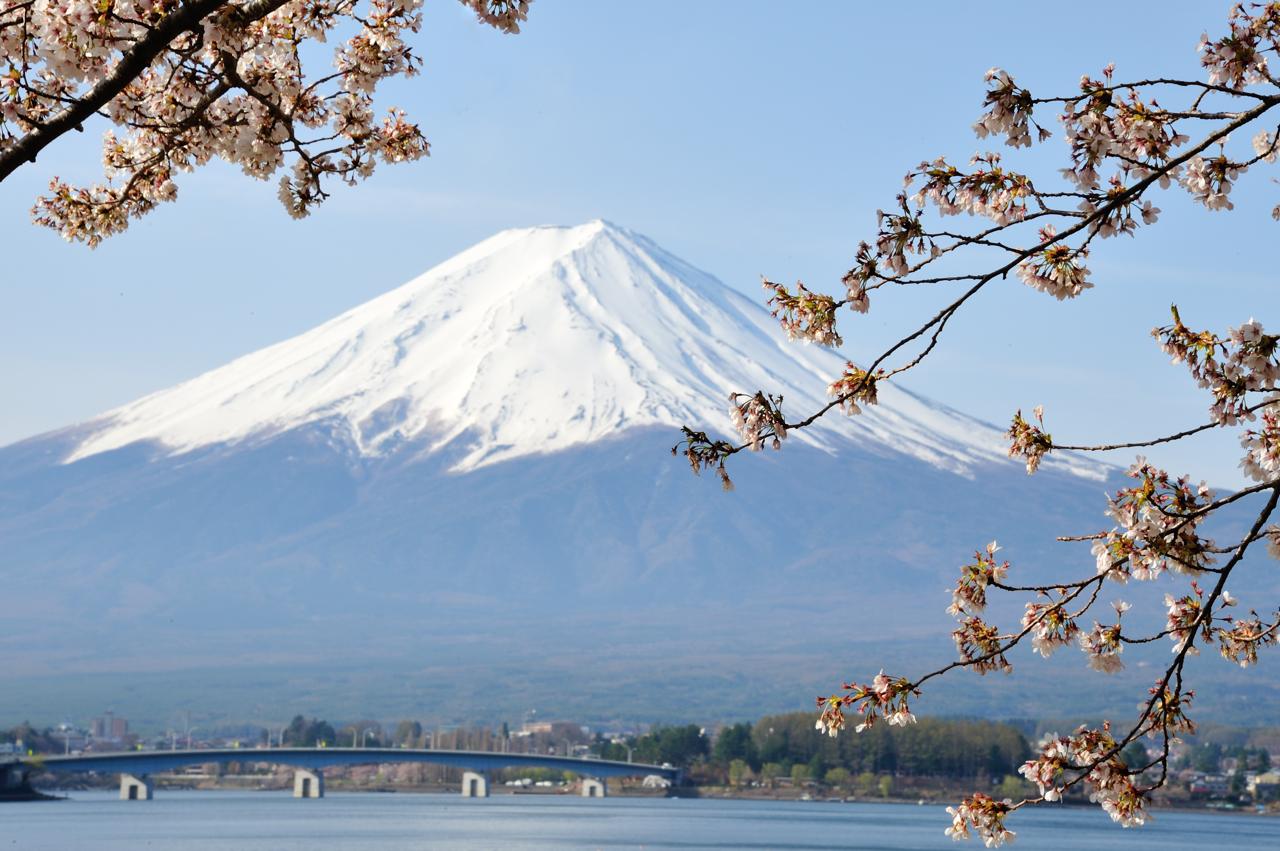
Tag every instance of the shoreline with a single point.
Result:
(717, 793)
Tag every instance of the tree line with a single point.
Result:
(777, 744)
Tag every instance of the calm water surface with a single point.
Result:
(269, 821)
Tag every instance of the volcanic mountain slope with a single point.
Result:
(472, 469)
(533, 341)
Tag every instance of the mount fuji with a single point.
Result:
(533, 341)
(462, 489)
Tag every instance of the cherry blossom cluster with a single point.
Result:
(504, 15)
(216, 79)
(1099, 126)
(886, 697)
(984, 815)
(981, 646)
(970, 594)
(704, 453)
(1209, 180)
(900, 234)
(1168, 712)
(1009, 110)
(1261, 460)
(757, 417)
(1050, 624)
(1092, 754)
(1060, 755)
(1114, 213)
(1239, 58)
(857, 279)
(989, 191)
(1158, 527)
(1246, 361)
(1266, 146)
(1103, 645)
(1057, 269)
(1255, 353)
(1028, 440)
(856, 387)
(1240, 639)
(1185, 616)
(806, 315)
(1113, 789)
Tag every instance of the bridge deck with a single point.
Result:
(152, 762)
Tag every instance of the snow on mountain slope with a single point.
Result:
(533, 341)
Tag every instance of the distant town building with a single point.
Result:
(1210, 785)
(108, 727)
(1265, 786)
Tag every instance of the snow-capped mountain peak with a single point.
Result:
(533, 341)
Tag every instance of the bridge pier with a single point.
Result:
(475, 785)
(13, 779)
(592, 788)
(308, 784)
(136, 788)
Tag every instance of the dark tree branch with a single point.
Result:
(132, 63)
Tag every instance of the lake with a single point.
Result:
(274, 821)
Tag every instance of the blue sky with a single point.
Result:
(748, 138)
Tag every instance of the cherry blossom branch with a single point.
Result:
(1158, 518)
(1139, 444)
(1158, 81)
(133, 62)
(191, 80)
(852, 390)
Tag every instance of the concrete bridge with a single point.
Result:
(136, 767)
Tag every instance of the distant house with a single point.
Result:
(1265, 786)
(1210, 785)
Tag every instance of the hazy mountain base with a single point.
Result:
(489, 683)
(602, 583)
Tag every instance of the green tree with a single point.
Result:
(307, 733)
(735, 742)
(799, 774)
(865, 784)
(1135, 755)
(1206, 757)
(836, 777)
(611, 750)
(1013, 787)
(677, 745)
(739, 772)
(770, 772)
